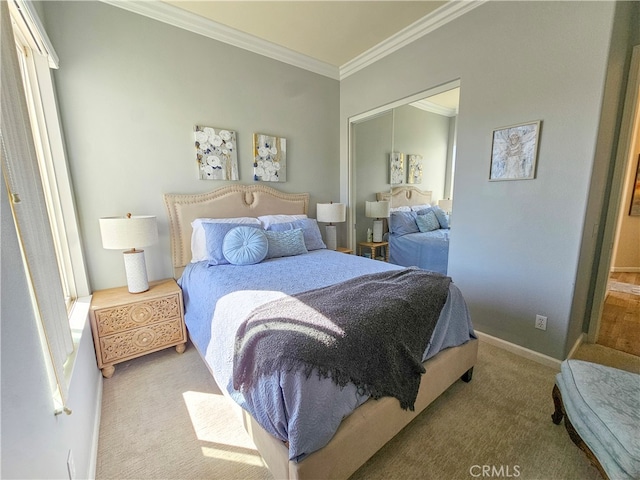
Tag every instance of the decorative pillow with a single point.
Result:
(404, 208)
(245, 245)
(443, 218)
(199, 240)
(310, 231)
(285, 244)
(215, 233)
(427, 222)
(401, 223)
(268, 220)
(417, 208)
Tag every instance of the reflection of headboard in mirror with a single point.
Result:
(226, 202)
(405, 196)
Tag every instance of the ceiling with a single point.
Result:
(334, 32)
(334, 38)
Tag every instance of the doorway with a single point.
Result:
(615, 317)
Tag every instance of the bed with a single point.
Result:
(218, 298)
(425, 245)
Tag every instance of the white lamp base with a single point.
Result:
(136, 270)
(332, 243)
(377, 231)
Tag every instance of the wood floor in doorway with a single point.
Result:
(620, 324)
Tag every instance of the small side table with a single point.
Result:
(128, 325)
(344, 250)
(374, 246)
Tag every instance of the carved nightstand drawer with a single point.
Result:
(126, 325)
(125, 317)
(133, 343)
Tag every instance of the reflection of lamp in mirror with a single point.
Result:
(377, 210)
(331, 213)
(446, 205)
(131, 232)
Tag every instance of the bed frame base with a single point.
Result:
(369, 427)
(557, 416)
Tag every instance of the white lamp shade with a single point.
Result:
(446, 205)
(331, 212)
(120, 233)
(376, 209)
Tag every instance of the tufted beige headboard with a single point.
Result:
(405, 196)
(225, 202)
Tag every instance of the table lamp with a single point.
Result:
(446, 205)
(377, 210)
(331, 213)
(131, 232)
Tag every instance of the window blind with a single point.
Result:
(22, 177)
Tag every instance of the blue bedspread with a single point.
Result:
(304, 412)
(427, 250)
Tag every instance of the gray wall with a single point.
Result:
(423, 133)
(130, 91)
(518, 243)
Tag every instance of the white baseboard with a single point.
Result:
(518, 350)
(579, 341)
(93, 462)
(625, 269)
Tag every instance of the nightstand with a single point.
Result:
(374, 246)
(128, 325)
(344, 250)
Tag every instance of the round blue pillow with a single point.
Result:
(245, 246)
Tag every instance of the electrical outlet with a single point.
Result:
(541, 322)
(71, 466)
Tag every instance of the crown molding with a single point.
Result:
(177, 17)
(436, 19)
(435, 108)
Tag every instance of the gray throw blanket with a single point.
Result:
(371, 330)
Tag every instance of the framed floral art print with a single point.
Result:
(216, 153)
(396, 168)
(269, 158)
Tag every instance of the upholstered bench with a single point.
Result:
(601, 410)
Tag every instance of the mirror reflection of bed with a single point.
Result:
(418, 231)
(420, 127)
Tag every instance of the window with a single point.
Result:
(36, 56)
(35, 170)
(52, 198)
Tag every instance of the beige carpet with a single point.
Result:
(164, 418)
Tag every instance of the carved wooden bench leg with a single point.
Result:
(573, 434)
(557, 403)
(181, 347)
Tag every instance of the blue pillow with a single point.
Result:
(443, 218)
(310, 232)
(285, 244)
(245, 246)
(215, 233)
(401, 223)
(427, 222)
